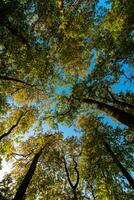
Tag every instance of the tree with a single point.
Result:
(97, 152)
(22, 188)
(60, 63)
(123, 170)
(97, 97)
(27, 178)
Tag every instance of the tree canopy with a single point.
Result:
(67, 63)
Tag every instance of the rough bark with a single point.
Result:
(118, 114)
(120, 166)
(121, 103)
(25, 182)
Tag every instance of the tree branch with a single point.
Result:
(7, 78)
(13, 126)
(78, 175)
(121, 103)
(67, 173)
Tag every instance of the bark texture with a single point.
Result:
(118, 114)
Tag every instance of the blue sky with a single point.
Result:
(124, 84)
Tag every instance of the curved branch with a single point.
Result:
(78, 175)
(67, 173)
(12, 127)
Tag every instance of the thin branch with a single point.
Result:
(77, 172)
(21, 155)
(7, 78)
(13, 126)
(67, 173)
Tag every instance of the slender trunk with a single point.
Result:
(120, 166)
(12, 127)
(120, 115)
(25, 182)
(20, 194)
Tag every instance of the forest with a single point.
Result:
(66, 99)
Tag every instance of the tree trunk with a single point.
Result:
(25, 182)
(121, 103)
(120, 166)
(120, 115)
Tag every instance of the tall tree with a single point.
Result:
(69, 62)
(27, 178)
